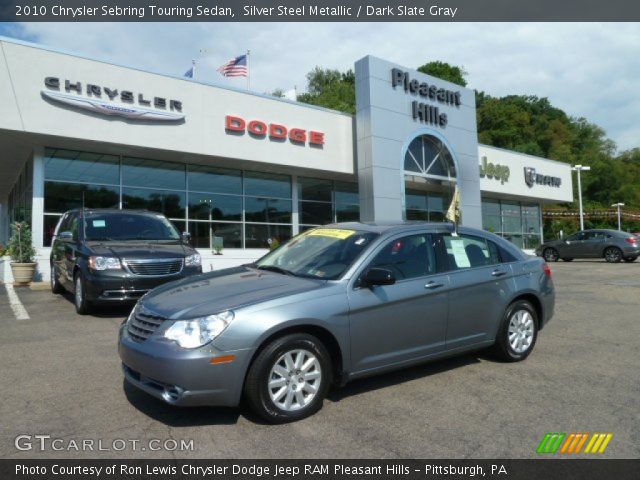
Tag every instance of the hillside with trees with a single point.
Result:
(531, 125)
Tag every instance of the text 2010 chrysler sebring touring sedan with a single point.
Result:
(331, 305)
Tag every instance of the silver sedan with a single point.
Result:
(334, 304)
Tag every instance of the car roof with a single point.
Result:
(399, 227)
(112, 210)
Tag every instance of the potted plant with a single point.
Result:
(21, 252)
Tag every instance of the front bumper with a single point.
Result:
(183, 377)
(119, 286)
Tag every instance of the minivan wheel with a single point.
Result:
(551, 254)
(289, 378)
(79, 296)
(56, 287)
(518, 332)
(613, 255)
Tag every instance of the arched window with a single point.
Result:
(427, 156)
(430, 179)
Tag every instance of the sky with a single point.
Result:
(589, 70)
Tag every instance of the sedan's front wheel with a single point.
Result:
(289, 379)
(518, 332)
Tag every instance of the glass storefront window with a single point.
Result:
(214, 180)
(347, 213)
(314, 189)
(267, 185)
(316, 213)
(268, 210)
(81, 167)
(203, 234)
(170, 204)
(264, 236)
(204, 206)
(516, 222)
(140, 172)
(60, 197)
(49, 227)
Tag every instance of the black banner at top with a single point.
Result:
(319, 11)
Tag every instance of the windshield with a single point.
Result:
(323, 253)
(128, 226)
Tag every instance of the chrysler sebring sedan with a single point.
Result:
(334, 304)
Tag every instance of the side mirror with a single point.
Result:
(186, 237)
(378, 276)
(65, 236)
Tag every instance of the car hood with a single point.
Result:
(223, 290)
(141, 249)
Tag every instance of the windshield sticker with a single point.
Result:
(99, 223)
(332, 233)
(459, 253)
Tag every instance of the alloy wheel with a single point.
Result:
(294, 380)
(612, 255)
(521, 328)
(550, 255)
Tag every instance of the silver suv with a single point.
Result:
(334, 304)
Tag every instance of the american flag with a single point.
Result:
(236, 67)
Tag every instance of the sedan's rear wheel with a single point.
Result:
(613, 255)
(518, 332)
(289, 379)
(551, 254)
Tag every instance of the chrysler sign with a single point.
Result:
(102, 100)
(531, 178)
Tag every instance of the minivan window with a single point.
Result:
(128, 226)
(407, 257)
(323, 253)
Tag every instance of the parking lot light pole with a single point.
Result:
(580, 168)
(618, 205)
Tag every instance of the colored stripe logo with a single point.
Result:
(573, 443)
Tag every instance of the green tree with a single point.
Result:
(331, 89)
(445, 71)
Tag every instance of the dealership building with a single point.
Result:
(244, 171)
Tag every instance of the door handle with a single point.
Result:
(498, 273)
(432, 285)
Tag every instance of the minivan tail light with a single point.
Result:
(546, 269)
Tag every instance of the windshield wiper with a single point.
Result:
(273, 268)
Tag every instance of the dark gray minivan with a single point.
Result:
(107, 256)
(334, 304)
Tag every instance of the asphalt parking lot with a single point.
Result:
(61, 377)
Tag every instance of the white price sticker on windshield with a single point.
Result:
(99, 223)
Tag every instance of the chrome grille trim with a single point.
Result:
(153, 267)
(143, 325)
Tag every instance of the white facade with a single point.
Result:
(54, 100)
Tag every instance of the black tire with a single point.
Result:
(83, 306)
(630, 259)
(503, 348)
(256, 388)
(613, 254)
(567, 259)
(56, 286)
(550, 254)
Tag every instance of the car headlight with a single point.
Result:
(104, 263)
(193, 260)
(197, 332)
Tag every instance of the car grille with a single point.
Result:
(155, 267)
(143, 324)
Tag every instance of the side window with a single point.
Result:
(407, 257)
(468, 251)
(73, 226)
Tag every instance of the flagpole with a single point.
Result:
(248, 69)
